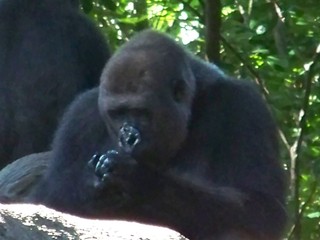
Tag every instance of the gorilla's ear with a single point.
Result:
(184, 88)
(179, 89)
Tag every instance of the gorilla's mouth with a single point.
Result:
(129, 137)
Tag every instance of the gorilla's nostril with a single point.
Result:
(129, 137)
(131, 140)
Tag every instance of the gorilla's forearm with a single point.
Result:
(199, 206)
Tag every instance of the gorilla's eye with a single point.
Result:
(179, 89)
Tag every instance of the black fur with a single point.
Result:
(207, 165)
(49, 52)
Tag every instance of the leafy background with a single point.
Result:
(274, 43)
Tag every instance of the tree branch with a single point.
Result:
(296, 148)
(304, 207)
(188, 7)
(256, 76)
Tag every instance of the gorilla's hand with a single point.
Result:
(119, 173)
(111, 165)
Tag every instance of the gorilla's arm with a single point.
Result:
(207, 164)
(234, 183)
(68, 183)
(194, 196)
(197, 211)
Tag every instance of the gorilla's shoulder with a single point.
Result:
(81, 114)
(86, 102)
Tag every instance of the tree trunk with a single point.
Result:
(212, 27)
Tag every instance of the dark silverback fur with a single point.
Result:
(49, 52)
(207, 165)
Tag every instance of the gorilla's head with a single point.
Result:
(146, 93)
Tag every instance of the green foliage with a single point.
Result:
(274, 43)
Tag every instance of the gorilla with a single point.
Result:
(168, 139)
(49, 52)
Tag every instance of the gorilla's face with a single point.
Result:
(148, 95)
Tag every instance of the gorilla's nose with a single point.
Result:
(129, 137)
